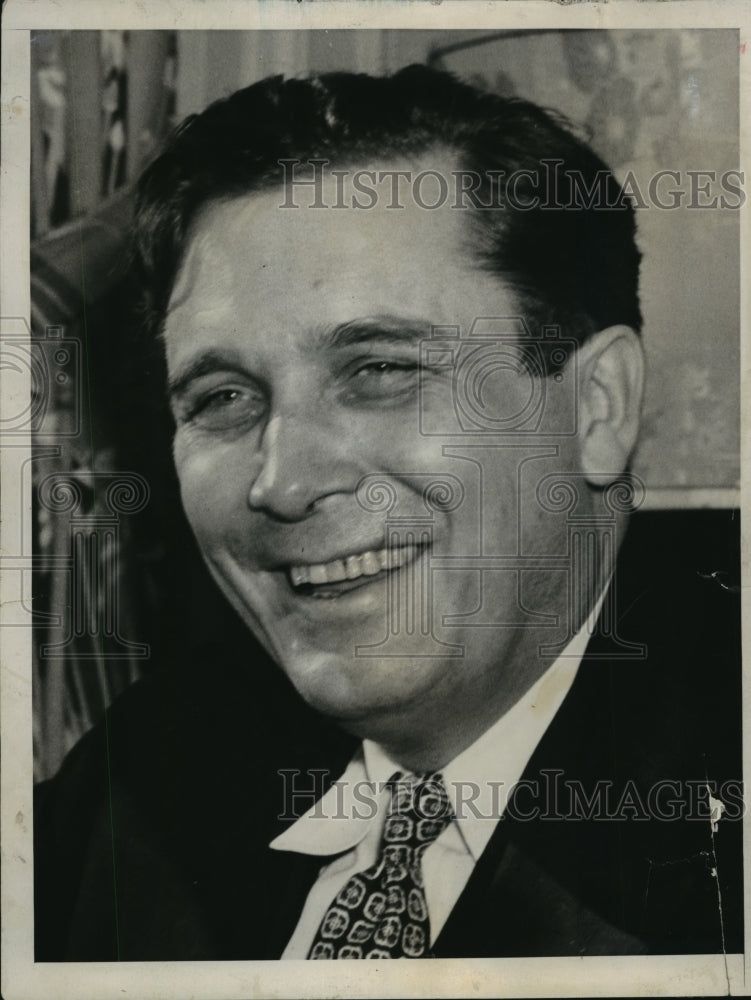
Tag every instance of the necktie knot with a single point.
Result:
(419, 811)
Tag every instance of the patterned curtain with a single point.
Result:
(102, 101)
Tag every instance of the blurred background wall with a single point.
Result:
(101, 104)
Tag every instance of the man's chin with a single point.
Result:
(352, 690)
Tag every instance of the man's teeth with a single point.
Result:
(353, 567)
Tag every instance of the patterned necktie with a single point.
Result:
(382, 912)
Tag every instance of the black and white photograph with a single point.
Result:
(372, 568)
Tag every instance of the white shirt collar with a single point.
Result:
(478, 780)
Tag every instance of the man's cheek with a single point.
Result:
(211, 495)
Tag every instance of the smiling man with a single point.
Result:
(290, 401)
(403, 417)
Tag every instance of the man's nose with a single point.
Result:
(301, 464)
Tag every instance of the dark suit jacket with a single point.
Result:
(152, 841)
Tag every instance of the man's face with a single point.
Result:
(293, 349)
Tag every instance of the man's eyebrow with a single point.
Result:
(205, 363)
(383, 329)
(377, 329)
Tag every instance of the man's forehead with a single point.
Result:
(302, 227)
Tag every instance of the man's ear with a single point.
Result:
(611, 384)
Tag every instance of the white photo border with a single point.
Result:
(21, 977)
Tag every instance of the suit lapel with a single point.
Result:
(230, 792)
(547, 885)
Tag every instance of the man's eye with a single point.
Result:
(378, 379)
(225, 408)
(382, 368)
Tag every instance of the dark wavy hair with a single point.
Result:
(572, 261)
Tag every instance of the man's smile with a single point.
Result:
(339, 576)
